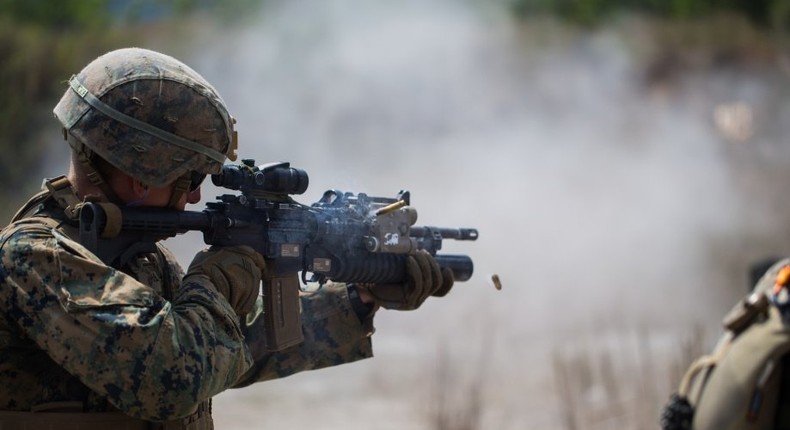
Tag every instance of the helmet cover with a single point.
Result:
(149, 115)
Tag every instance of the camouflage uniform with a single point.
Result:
(81, 336)
(135, 338)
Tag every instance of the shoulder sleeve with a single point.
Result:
(151, 358)
(333, 335)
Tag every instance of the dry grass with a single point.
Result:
(459, 403)
(607, 381)
(622, 384)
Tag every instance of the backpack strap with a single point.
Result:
(737, 386)
(30, 206)
(741, 391)
(61, 190)
(58, 188)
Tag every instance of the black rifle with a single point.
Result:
(343, 237)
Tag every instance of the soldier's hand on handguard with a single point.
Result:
(235, 271)
(424, 278)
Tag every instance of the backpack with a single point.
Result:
(746, 378)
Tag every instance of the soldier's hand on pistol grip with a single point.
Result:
(424, 278)
(235, 271)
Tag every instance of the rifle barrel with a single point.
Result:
(446, 233)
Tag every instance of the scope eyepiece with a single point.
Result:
(275, 178)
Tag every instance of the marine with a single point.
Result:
(142, 343)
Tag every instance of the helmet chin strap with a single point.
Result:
(85, 157)
(181, 187)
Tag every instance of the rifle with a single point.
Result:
(343, 237)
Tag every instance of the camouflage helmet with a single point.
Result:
(149, 115)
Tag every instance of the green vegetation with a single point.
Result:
(56, 14)
(768, 13)
(42, 43)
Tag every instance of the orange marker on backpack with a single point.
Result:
(782, 279)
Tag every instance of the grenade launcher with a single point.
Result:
(343, 237)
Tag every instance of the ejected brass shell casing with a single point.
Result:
(391, 207)
(496, 281)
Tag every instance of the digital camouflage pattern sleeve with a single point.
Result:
(149, 357)
(75, 329)
(333, 335)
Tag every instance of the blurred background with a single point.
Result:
(625, 162)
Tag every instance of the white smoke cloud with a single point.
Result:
(598, 202)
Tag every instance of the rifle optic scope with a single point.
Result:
(276, 178)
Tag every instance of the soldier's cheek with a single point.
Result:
(193, 196)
